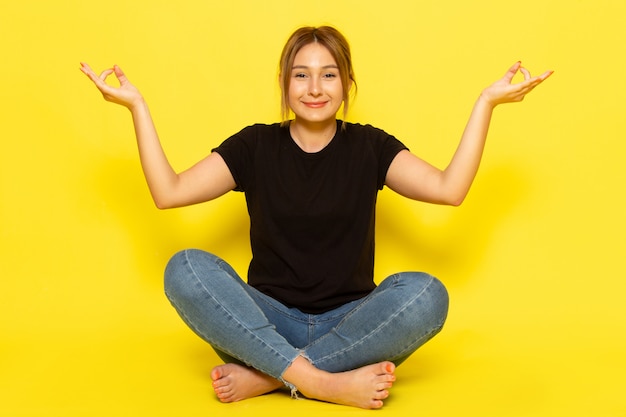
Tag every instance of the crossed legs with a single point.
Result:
(352, 364)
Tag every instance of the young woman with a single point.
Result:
(310, 316)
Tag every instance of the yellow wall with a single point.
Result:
(534, 259)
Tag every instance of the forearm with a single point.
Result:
(159, 174)
(206, 180)
(457, 178)
(414, 178)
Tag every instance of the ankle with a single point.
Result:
(305, 377)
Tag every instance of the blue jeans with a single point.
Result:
(245, 326)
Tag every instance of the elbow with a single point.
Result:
(454, 196)
(164, 197)
(456, 203)
(454, 200)
(163, 203)
(161, 206)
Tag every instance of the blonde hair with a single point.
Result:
(338, 47)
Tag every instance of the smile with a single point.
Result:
(315, 104)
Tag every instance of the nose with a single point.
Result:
(314, 87)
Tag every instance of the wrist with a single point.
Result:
(138, 105)
(485, 100)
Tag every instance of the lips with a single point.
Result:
(315, 104)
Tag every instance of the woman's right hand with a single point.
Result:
(126, 94)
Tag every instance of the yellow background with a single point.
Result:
(534, 259)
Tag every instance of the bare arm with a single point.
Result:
(414, 178)
(206, 180)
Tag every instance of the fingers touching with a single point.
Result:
(508, 77)
(505, 91)
(126, 94)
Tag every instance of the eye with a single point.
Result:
(299, 75)
(330, 75)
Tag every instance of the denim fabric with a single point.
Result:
(245, 326)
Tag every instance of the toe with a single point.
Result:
(216, 373)
(375, 404)
(381, 395)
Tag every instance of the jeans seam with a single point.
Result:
(281, 312)
(311, 318)
(246, 329)
(378, 328)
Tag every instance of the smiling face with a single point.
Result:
(338, 48)
(315, 88)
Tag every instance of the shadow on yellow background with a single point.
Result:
(534, 259)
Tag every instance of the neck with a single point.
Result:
(312, 137)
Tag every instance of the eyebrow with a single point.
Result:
(306, 67)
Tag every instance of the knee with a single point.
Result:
(431, 296)
(440, 299)
(192, 272)
(437, 289)
(178, 273)
(173, 273)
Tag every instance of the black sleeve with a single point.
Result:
(384, 146)
(237, 151)
(391, 148)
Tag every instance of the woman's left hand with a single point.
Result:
(504, 91)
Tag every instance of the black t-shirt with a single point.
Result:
(311, 214)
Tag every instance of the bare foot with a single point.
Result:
(364, 387)
(232, 382)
